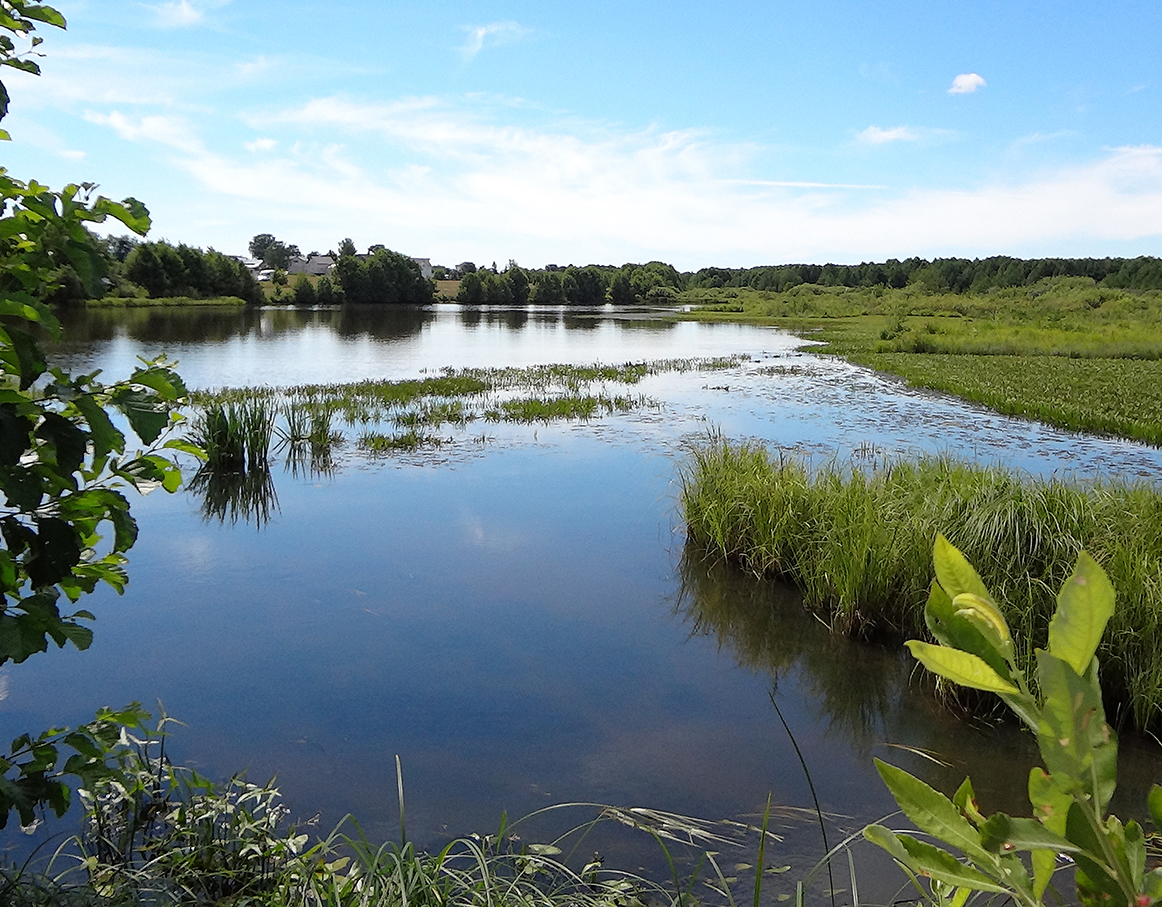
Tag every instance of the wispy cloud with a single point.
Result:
(260, 145)
(875, 135)
(178, 14)
(967, 83)
(168, 130)
(461, 186)
(184, 13)
(495, 33)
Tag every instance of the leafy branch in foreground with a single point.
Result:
(1079, 750)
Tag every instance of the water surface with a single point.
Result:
(517, 617)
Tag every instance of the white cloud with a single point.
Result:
(261, 145)
(495, 33)
(178, 14)
(439, 179)
(967, 83)
(184, 13)
(874, 135)
(167, 130)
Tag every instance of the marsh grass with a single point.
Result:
(308, 420)
(857, 542)
(376, 443)
(1063, 350)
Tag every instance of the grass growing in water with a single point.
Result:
(310, 414)
(1063, 350)
(858, 543)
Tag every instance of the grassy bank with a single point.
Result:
(1063, 350)
(858, 544)
(140, 302)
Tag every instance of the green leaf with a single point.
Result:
(955, 630)
(44, 14)
(1004, 833)
(1073, 731)
(885, 838)
(130, 212)
(1154, 802)
(953, 571)
(960, 667)
(106, 438)
(933, 812)
(147, 417)
(938, 864)
(1084, 605)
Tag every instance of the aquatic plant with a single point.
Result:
(856, 540)
(1069, 796)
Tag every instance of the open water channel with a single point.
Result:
(513, 613)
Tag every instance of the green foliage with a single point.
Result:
(1069, 795)
(273, 253)
(63, 460)
(164, 270)
(304, 291)
(383, 277)
(34, 768)
(856, 541)
(19, 19)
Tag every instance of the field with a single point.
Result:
(1063, 351)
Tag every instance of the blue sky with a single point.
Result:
(733, 133)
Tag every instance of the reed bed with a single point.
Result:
(1111, 396)
(858, 543)
(236, 424)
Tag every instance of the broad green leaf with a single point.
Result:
(1134, 843)
(1004, 833)
(1154, 802)
(938, 864)
(1073, 726)
(1084, 605)
(146, 415)
(953, 571)
(960, 667)
(44, 14)
(933, 812)
(106, 438)
(956, 631)
(885, 838)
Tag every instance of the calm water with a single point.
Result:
(517, 618)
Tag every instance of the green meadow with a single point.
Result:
(1064, 350)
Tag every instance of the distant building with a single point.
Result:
(425, 267)
(316, 265)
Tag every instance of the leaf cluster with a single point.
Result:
(1069, 795)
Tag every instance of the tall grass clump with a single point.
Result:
(857, 542)
(236, 435)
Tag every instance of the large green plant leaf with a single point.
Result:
(1073, 727)
(1084, 605)
(933, 812)
(956, 631)
(963, 668)
(953, 571)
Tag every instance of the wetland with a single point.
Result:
(516, 610)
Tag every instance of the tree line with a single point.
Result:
(954, 275)
(658, 281)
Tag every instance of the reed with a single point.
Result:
(857, 542)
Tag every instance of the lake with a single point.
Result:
(514, 614)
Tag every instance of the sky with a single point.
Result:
(729, 134)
